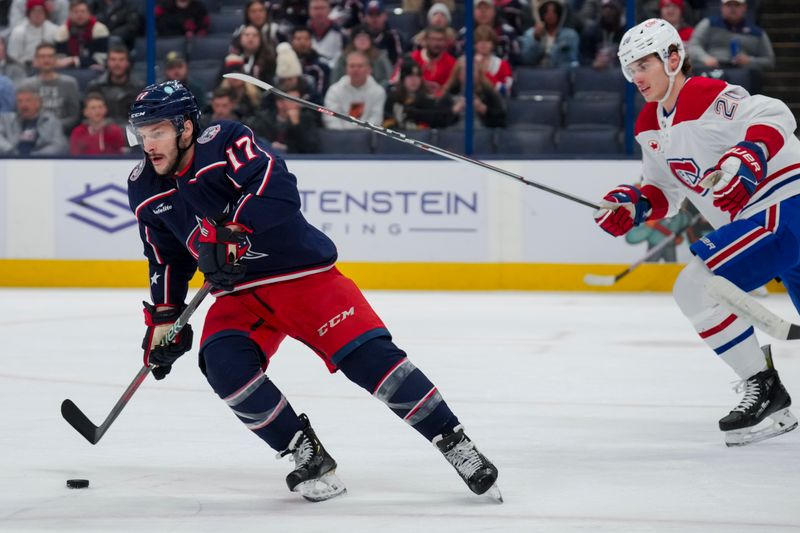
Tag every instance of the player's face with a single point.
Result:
(159, 143)
(649, 77)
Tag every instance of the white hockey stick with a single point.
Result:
(599, 280)
(744, 305)
(396, 135)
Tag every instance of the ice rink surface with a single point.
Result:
(600, 412)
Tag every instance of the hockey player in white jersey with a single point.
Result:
(736, 157)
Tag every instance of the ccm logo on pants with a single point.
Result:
(333, 322)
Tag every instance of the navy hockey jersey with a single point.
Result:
(231, 178)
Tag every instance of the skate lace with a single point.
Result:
(464, 458)
(303, 454)
(751, 389)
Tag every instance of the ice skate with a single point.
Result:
(314, 475)
(474, 468)
(763, 412)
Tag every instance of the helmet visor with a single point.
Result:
(138, 132)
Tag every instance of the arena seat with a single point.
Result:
(542, 109)
(452, 140)
(590, 79)
(591, 140)
(545, 81)
(344, 142)
(598, 112)
(534, 140)
(225, 22)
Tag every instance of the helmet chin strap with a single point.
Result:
(671, 76)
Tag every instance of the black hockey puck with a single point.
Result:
(77, 483)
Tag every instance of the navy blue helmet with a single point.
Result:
(168, 100)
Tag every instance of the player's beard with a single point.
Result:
(170, 160)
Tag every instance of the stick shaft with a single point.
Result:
(78, 420)
(403, 138)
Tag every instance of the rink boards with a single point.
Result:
(397, 224)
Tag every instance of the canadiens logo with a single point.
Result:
(654, 146)
(137, 171)
(209, 134)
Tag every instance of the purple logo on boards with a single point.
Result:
(105, 208)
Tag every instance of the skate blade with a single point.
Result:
(495, 494)
(323, 488)
(782, 421)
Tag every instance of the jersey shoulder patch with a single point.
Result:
(137, 170)
(209, 133)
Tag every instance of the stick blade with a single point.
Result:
(596, 280)
(79, 421)
(249, 79)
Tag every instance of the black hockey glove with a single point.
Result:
(158, 323)
(220, 249)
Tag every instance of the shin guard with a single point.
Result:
(383, 369)
(233, 367)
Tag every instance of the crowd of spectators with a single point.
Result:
(70, 68)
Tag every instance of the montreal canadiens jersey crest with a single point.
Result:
(209, 133)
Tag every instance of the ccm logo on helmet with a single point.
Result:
(139, 114)
(333, 322)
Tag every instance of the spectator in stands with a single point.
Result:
(223, 107)
(731, 40)
(436, 62)
(9, 67)
(96, 135)
(421, 6)
(82, 42)
(347, 13)
(288, 14)
(439, 17)
(8, 95)
(116, 85)
(256, 14)
(486, 15)
(121, 19)
(497, 71)
(672, 12)
(378, 60)
(383, 36)
(258, 54)
(181, 17)
(600, 39)
(489, 106)
(326, 38)
(357, 94)
(288, 127)
(31, 131)
(57, 11)
(246, 96)
(176, 68)
(58, 92)
(314, 69)
(411, 107)
(31, 31)
(510, 12)
(549, 43)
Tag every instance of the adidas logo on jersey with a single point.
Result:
(162, 208)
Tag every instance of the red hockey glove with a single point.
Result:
(220, 250)
(621, 209)
(734, 178)
(158, 322)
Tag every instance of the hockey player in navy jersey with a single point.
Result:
(218, 200)
(735, 155)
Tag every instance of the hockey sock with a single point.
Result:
(731, 337)
(233, 368)
(383, 369)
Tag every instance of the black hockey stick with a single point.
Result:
(75, 417)
(744, 305)
(599, 280)
(403, 138)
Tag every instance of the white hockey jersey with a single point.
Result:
(710, 117)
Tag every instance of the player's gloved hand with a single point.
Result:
(158, 322)
(220, 249)
(621, 209)
(735, 177)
